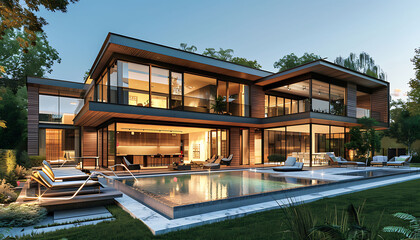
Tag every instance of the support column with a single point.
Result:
(235, 146)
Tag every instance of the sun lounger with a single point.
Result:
(214, 165)
(46, 181)
(379, 161)
(290, 165)
(131, 166)
(399, 161)
(226, 161)
(62, 174)
(339, 161)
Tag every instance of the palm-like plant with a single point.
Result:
(410, 232)
(219, 105)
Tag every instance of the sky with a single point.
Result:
(258, 30)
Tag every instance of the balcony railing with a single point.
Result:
(362, 112)
(134, 97)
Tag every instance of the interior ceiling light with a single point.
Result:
(319, 92)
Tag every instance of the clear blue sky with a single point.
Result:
(262, 30)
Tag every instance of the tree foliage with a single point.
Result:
(222, 54)
(13, 110)
(364, 139)
(404, 126)
(291, 61)
(363, 63)
(38, 60)
(414, 93)
(187, 48)
(21, 15)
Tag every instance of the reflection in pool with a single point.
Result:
(186, 189)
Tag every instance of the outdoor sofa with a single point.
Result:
(290, 165)
(379, 161)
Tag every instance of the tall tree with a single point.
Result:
(414, 93)
(404, 126)
(291, 61)
(13, 110)
(37, 61)
(362, 63)
(20, 15)
(364, 139)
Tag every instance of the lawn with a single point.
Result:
(402, 197)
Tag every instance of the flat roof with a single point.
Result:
(57, 87)
(115, 43)
(326, 68)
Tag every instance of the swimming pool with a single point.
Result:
(188, 194)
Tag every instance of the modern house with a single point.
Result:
(157, 105)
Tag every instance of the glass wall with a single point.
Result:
(199, 93)
(57, 144)
(176, 90)
(363, 105)
(320, 97)
(158, 145)
(149, 86)
(295, 141)
(337, 100)
(135, 83)
(57, 109)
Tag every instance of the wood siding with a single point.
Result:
(252, 146)
(33, 110)
(257, 102)
(380, 105)
(89, 145)
(351, 99)
(235, 146)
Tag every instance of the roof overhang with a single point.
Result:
(56, 87)
(118, 44)
(328, 69)
(93, 114)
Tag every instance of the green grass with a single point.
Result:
(414, 164)
(402, 197)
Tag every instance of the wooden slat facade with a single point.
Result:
(351, 97)
(33, 120)
(257, 102)
(235, 144)
(89, 145)
(380, 105)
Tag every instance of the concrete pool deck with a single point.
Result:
(159, 224)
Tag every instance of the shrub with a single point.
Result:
(23, 159)
(276, 158)
(11, 178)
(36, 161)
(410, 232)
(6, 192)
(21, 172)
(7, 160)
(21, 215)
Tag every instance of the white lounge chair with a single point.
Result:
(62, 174)
(226, 161)
(290, 165)
(214, 165)
(339, 161)
(399, 161)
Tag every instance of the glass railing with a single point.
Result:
(134, 97)
(362, 112)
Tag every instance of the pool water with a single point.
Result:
(176, 190)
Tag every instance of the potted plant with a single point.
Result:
(219, 105)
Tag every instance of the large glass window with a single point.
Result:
(176, 90)
(337, 100)
(113, 82)
(136, 84)
(238, 99)
(320, 96)
(57, 144)
(199, 93)
(320, 144)
(57, 109)
(160, 87)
